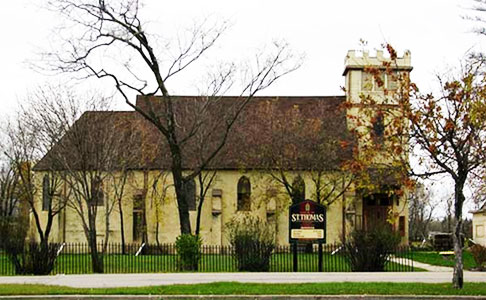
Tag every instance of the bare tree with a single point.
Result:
(26, 148)
(421, 212)
(119, 181)
(479, 192)
(118, 175)
(9, 200)
(100, 28)
(448, 219)
(90, 147)
(25, 144)
(10, 215)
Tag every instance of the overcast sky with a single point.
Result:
(435, 31)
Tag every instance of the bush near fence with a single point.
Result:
(74, 258)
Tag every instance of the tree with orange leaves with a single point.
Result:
(446, 133)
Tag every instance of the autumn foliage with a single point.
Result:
(445, 133)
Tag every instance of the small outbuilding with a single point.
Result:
(479, 225)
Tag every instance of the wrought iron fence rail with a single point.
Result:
(74, 258)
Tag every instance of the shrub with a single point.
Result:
(27, 257)
(253, 242)
(188, 249)
(33, 258)
(479, 254)
(368, 251)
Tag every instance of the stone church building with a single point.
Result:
(263, 152)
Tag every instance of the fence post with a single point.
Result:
(411, 257)
(294, 251)
(320, 256)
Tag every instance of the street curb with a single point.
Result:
(240, 297)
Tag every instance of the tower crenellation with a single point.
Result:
(359, 82)
(361, 59)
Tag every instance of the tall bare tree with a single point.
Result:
(99, 29)
(27, 146)
(25, 143)
(421, 212)
(88, 151)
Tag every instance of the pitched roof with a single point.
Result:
(289, 131)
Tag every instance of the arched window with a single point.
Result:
(298, 190)
(244, 193)
(190, 189)
(46, 195)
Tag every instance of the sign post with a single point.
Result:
(307, 223)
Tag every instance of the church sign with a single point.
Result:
(307, 222)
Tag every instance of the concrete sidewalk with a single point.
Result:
(134, 280)
(420, 265)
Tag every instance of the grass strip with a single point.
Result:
(434, 258)
(235, 288)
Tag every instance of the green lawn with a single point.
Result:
(117, 263)
(234, 288)
(434, 258)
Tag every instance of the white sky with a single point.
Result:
(433, 30)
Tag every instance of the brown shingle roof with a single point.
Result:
(269, 128)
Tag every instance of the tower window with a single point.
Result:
(366, 81)
(371, 82)
(392, 81)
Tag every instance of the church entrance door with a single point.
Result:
(375, 210)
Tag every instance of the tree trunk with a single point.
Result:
(107, 229)
(198, 218)
(458, 276)
(96, 258)
(183, 208)
(144, 210)
(122, 226)
(184, 220)
(179, 181)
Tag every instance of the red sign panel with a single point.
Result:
(307, 222)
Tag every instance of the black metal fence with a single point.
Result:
(74, 258)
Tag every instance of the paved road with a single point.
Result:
(133, 280)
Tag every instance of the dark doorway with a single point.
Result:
(375, 210)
